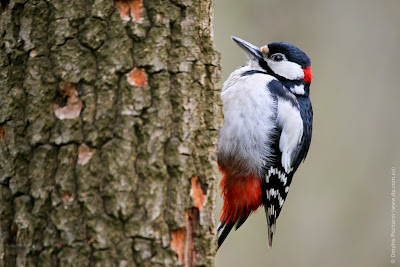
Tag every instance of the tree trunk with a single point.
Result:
(108, 124)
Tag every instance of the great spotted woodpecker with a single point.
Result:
(267, 132)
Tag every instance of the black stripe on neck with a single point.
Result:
(251, 72)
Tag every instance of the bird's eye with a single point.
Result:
(277, 57)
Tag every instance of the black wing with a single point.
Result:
(279, 173)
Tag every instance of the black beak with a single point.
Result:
(252, 50)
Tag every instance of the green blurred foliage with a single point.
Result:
(338, 212)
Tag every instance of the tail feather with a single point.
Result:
(223, 231)
(240, 222)
(275, 190)
(242, 195)
(271, 221)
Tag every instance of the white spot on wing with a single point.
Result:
(281, 201)
(298, 89)
(281, 175)
(275, 193)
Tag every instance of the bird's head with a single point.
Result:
(286, 62)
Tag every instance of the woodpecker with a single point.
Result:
(266, 134)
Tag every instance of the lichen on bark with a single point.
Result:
(108, 124)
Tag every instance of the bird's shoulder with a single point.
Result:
(260, 78)
(248, 76)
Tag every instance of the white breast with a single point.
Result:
(249, 111)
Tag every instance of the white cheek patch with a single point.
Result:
(286, 69)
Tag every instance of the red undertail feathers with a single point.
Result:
(242, 195)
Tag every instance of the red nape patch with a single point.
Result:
(242, 195)
(307, 74)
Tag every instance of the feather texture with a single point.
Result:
(266, 135)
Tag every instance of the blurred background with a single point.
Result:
(338, 212)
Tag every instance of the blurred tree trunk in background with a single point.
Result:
(108, 123)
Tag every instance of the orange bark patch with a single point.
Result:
(123, 8)
(84, 154)
(73, 107)
(182, 241)
(197, 193)
(137, 77)
(2, 133)
(67, 197)
(136, 9)
(130, 9)
(178, 241)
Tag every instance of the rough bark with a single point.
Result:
(108, 122)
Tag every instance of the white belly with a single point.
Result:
(250, 115)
